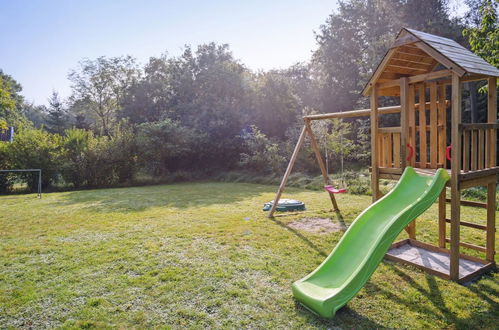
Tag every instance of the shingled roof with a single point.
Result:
(414, 52)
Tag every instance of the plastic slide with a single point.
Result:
(362, 247)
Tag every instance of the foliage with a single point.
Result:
(179, 147)
(10, 101)
(355, 38)
(6, 180)
(261, 154)
(99, 88)
(35, 149)
(484, 38)
(75, 146)
(57, 118)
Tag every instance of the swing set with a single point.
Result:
(307, 131)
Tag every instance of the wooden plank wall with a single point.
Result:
(478, 146)
(430, 126)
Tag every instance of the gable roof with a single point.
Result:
(414, 52)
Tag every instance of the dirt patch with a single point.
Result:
(317, 225)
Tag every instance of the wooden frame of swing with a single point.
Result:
(307, 130)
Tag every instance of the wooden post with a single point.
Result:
(288, 171)
(422, 127)
(492, 118)
(433, 125)
(491, 221)
(441, 218)
(412, 122)
(405, 101)
(455, 171)
(491, 187)
(320, 161)
(404, 119)
(442, 119)
(374, 144)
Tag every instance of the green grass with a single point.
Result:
(204, 255)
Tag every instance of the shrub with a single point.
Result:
(166, 146)
(6, 180)
(35, 148)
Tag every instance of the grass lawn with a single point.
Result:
(205, 255)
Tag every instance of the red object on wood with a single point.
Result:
(411, 151)
(447, 152)
(334, 190)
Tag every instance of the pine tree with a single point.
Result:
(57, 118)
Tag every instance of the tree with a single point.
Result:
(101, 86)
(356, 37)
(57, 117)
(151, 98)
(484, 37)
(276, 107)
(11, 101)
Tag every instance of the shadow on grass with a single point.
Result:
(184, 195)
(434, 295)
(345, 317)
(304, 238)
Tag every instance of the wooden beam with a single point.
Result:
(470, 246)
(320, 161)
(418, 78)
(288, 171)
(405, 102)
(411, 114)
(469, 224)
(467, 78)
(401, 41)
(374, 143)
(404, 119)
(353, 113)
(409, 64)
(491, 222)
(455, 171)
(440, 58)
(492, 118)
(379, 70)
(465, 202)
(433, 125)
(422, 128)
(441, 218)
(442, 121)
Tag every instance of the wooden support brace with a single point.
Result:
(288, 171)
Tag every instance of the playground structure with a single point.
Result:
(427, 72)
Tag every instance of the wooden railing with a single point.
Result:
(389, 146)
(479, 146)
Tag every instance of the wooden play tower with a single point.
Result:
(427, 73)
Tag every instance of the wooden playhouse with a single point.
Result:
(427, 73)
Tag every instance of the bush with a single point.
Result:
(35, 148)
(75, 145)
(166, 146)
(6, 180)
(99, 161)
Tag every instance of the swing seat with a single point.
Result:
(334, 190)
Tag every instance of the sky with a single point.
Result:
(42, 40)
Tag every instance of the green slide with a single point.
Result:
(362, 247)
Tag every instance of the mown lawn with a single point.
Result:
(205, 255)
